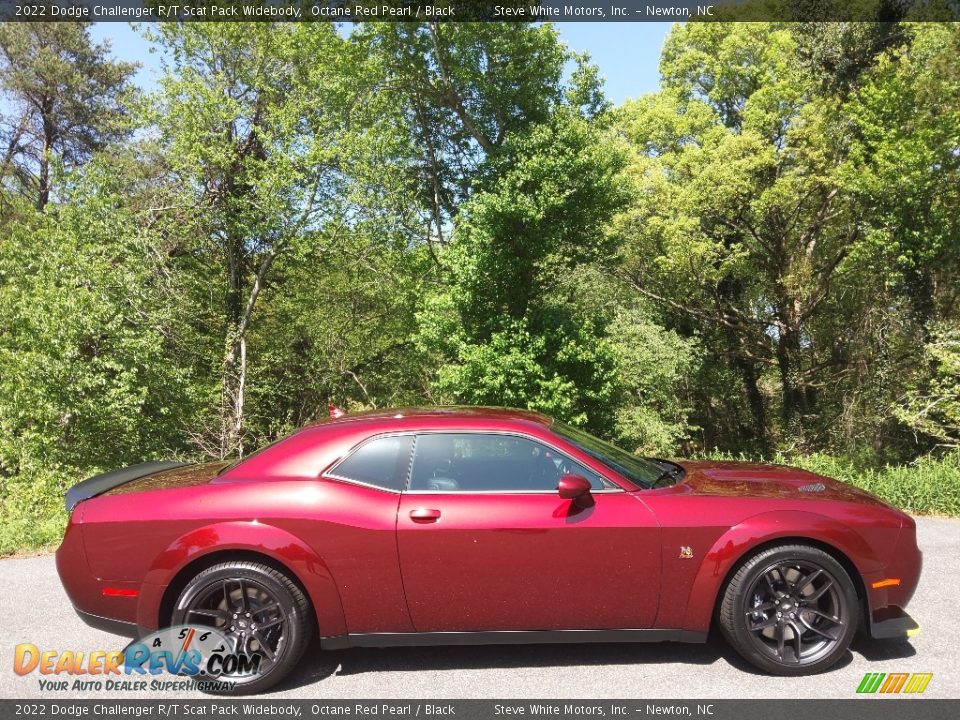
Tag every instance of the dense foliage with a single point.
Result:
(762, 258)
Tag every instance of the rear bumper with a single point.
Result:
(115, 627)
(893, 623)
(112, 613)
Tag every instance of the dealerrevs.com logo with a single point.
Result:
(891, 683)
(202, 655)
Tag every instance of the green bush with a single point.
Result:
(32, 513)
(928, 486)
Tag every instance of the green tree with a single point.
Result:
(905, 169)
(336, 326)
(469, 104)
(744, 223)
(654, 370)
(934, 408)
(504, 331)
(453, 93)
(67, 99)
(251, 117)
(840, 55)
(91, 370)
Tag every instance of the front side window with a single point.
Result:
(479, 462)
(381, 462)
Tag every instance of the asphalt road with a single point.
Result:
(34, 608)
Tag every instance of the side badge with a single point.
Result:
(686, 552)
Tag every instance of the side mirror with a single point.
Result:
(576, 488)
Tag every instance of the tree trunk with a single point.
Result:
(755, 401)
(454, 102)
(793, 391)
(731, 292)
(43, 192)
(921, 285)
(234, 380)
(235, 357)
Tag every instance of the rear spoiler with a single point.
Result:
(99, 484)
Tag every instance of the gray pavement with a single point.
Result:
(35, 609)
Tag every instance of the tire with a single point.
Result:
(232, 597)
(786, 598)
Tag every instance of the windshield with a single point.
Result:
(639, 471)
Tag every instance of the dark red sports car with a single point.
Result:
(478, 525)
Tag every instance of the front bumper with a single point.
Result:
(889, 590)
(892, 623)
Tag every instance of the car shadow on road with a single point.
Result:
(874, 650)
(319, 664)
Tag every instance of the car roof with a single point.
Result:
(441, 412)
(306, 452)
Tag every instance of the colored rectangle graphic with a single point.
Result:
(910, 683)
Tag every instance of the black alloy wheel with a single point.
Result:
(259, 610)
(790, 610)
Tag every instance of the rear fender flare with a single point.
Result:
(739, 541)
(304, 562)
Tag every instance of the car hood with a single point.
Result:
(742, 479)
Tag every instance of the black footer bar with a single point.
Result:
(873, 708)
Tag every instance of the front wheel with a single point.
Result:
(259, 610)
(790, 610)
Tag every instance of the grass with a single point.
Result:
(32, 515)
(927, 486)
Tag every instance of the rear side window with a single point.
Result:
(382, 462)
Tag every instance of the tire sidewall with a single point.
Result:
(741, 637)
(296, 622)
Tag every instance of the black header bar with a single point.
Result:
(477, 10)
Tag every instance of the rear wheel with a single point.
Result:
(259, 610)
(790, 610)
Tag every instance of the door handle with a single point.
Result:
(425, 515)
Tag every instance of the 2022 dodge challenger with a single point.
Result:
(481, 525)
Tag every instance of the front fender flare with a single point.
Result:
(740, 540)
(304, 562)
